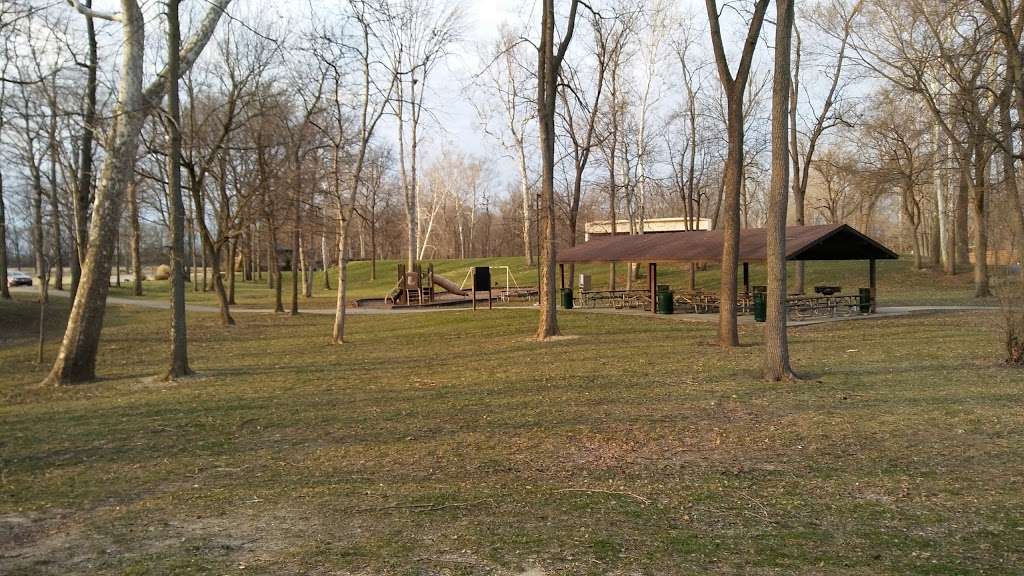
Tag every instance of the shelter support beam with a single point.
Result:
(872, 282)
(746, 277)
(652, 283)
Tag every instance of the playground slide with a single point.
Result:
(449, 285)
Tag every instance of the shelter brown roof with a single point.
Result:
(826, 242)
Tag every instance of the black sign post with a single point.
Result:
(482, 283)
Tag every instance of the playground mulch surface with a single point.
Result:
(455, 444)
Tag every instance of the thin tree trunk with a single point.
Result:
(5, 292)
(324, 259)
(38, 239)
(82, 196)
(338, 334)
(294, 310)
(524, 189)
(981, 280)
(961, 229)
(179, 366)
(232, 256)
(133, 216)
(794, 155)
(275, 263)
(223, 298)
(373, 249)
(55, 221)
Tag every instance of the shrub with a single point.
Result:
(1011, 302)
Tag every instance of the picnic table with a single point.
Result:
(615, 299)
(700, 302)
(805, 307)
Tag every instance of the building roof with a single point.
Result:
(827, 242)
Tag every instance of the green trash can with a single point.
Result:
(567, 298)
(865, 300)
(666, 305)
(760, 306)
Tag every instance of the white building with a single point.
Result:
(651, 226)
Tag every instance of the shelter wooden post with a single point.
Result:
(872, 281)
(652, 284)
(473, 290)
(561, 270)
(746, 278)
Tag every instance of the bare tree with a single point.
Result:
(549, 63)
(374, 97)
(509, 82)
(418, 34)
(734, 88)
(82, 197)
(76, 361)
(831, 16)
(579, 117)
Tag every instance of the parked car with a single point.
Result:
(16, 278)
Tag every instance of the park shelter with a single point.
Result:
(824, 242)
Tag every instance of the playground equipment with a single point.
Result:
(414, 288)
(420, 287)
(512, 288)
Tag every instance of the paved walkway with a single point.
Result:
(883, 311)
(165, 305)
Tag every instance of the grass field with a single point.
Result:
(898, 283)
(451, 443)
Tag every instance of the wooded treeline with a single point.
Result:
(307, 139)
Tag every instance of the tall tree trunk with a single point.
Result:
(232, 256)
(794, 154)
(549, 63)
(323, 256)
(295, 256)
(307, 269)
(179, 366)
(76, 361)
(338, 334)
(776, 358)
(980, 185)
(5, 292)
(82, 196)
(55, 221)
(728, 334)
(133, 216)
(1009, 171)
(524, 189)
(373, 249)
(275, 272)
(223, 299)
(949, 242)
(38, 239)
(734, 88)
(963, 203)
